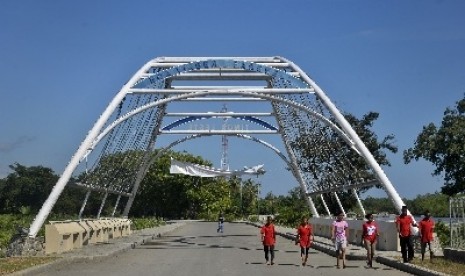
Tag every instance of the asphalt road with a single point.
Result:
(196, 249)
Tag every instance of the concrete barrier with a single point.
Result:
(126, 227)
(87, 232)
(95, 234)
(62, 236)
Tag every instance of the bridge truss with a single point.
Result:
(322, 150)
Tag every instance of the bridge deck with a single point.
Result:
(196, 249)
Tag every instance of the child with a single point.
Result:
(369, 237)
(304, 238)
(339, 237)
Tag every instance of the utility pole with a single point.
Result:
(258, 200)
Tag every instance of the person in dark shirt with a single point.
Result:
(220, 223)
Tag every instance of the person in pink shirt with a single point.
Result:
(339, 237)
(426, 226)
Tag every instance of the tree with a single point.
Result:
(437, 204)
(26, 187)
(378, 205)
(444, 147)
(291, 208)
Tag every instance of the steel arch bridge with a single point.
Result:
(320, 145)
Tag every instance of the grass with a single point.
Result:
(440, 264)
(14, 264)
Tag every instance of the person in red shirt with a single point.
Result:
(403, 223)
(268, 236)
(304, 238)
(369, 237)
(426, 227)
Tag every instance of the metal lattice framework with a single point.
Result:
(457, 222)
(323, 152)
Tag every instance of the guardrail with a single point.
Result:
(62, 236)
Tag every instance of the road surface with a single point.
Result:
(197, 249)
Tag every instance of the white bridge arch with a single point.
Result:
(310, 125)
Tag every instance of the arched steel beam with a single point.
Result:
(158, 77)
(227, 92)
(189, 119)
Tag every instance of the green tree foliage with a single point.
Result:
(25, 187)
(25, 190)
(443, 232)
(437, 204)
(378, 205)
(268, 204)
(179, 196)
(444, 147)
(291, 208)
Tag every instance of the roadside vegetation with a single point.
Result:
(10, 265)
(440, 264)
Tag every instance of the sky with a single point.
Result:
(61, 63)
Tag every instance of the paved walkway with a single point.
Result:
(194, 248)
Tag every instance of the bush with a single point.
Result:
(443, 233)
(143, 223)
(8, 225)
(253, 218)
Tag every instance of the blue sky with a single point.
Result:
(61, 62)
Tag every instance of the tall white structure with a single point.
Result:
(320, 147)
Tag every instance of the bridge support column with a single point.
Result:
(340, 204)
(325, 205)
(354, 191)
(116, 206)
(101, 205)
(84, 203)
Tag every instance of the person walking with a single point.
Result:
(268, 237)
(369, 237)
(304, 238)
(220, 228)
(339, 237)
(426, 227)
(404, 222)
